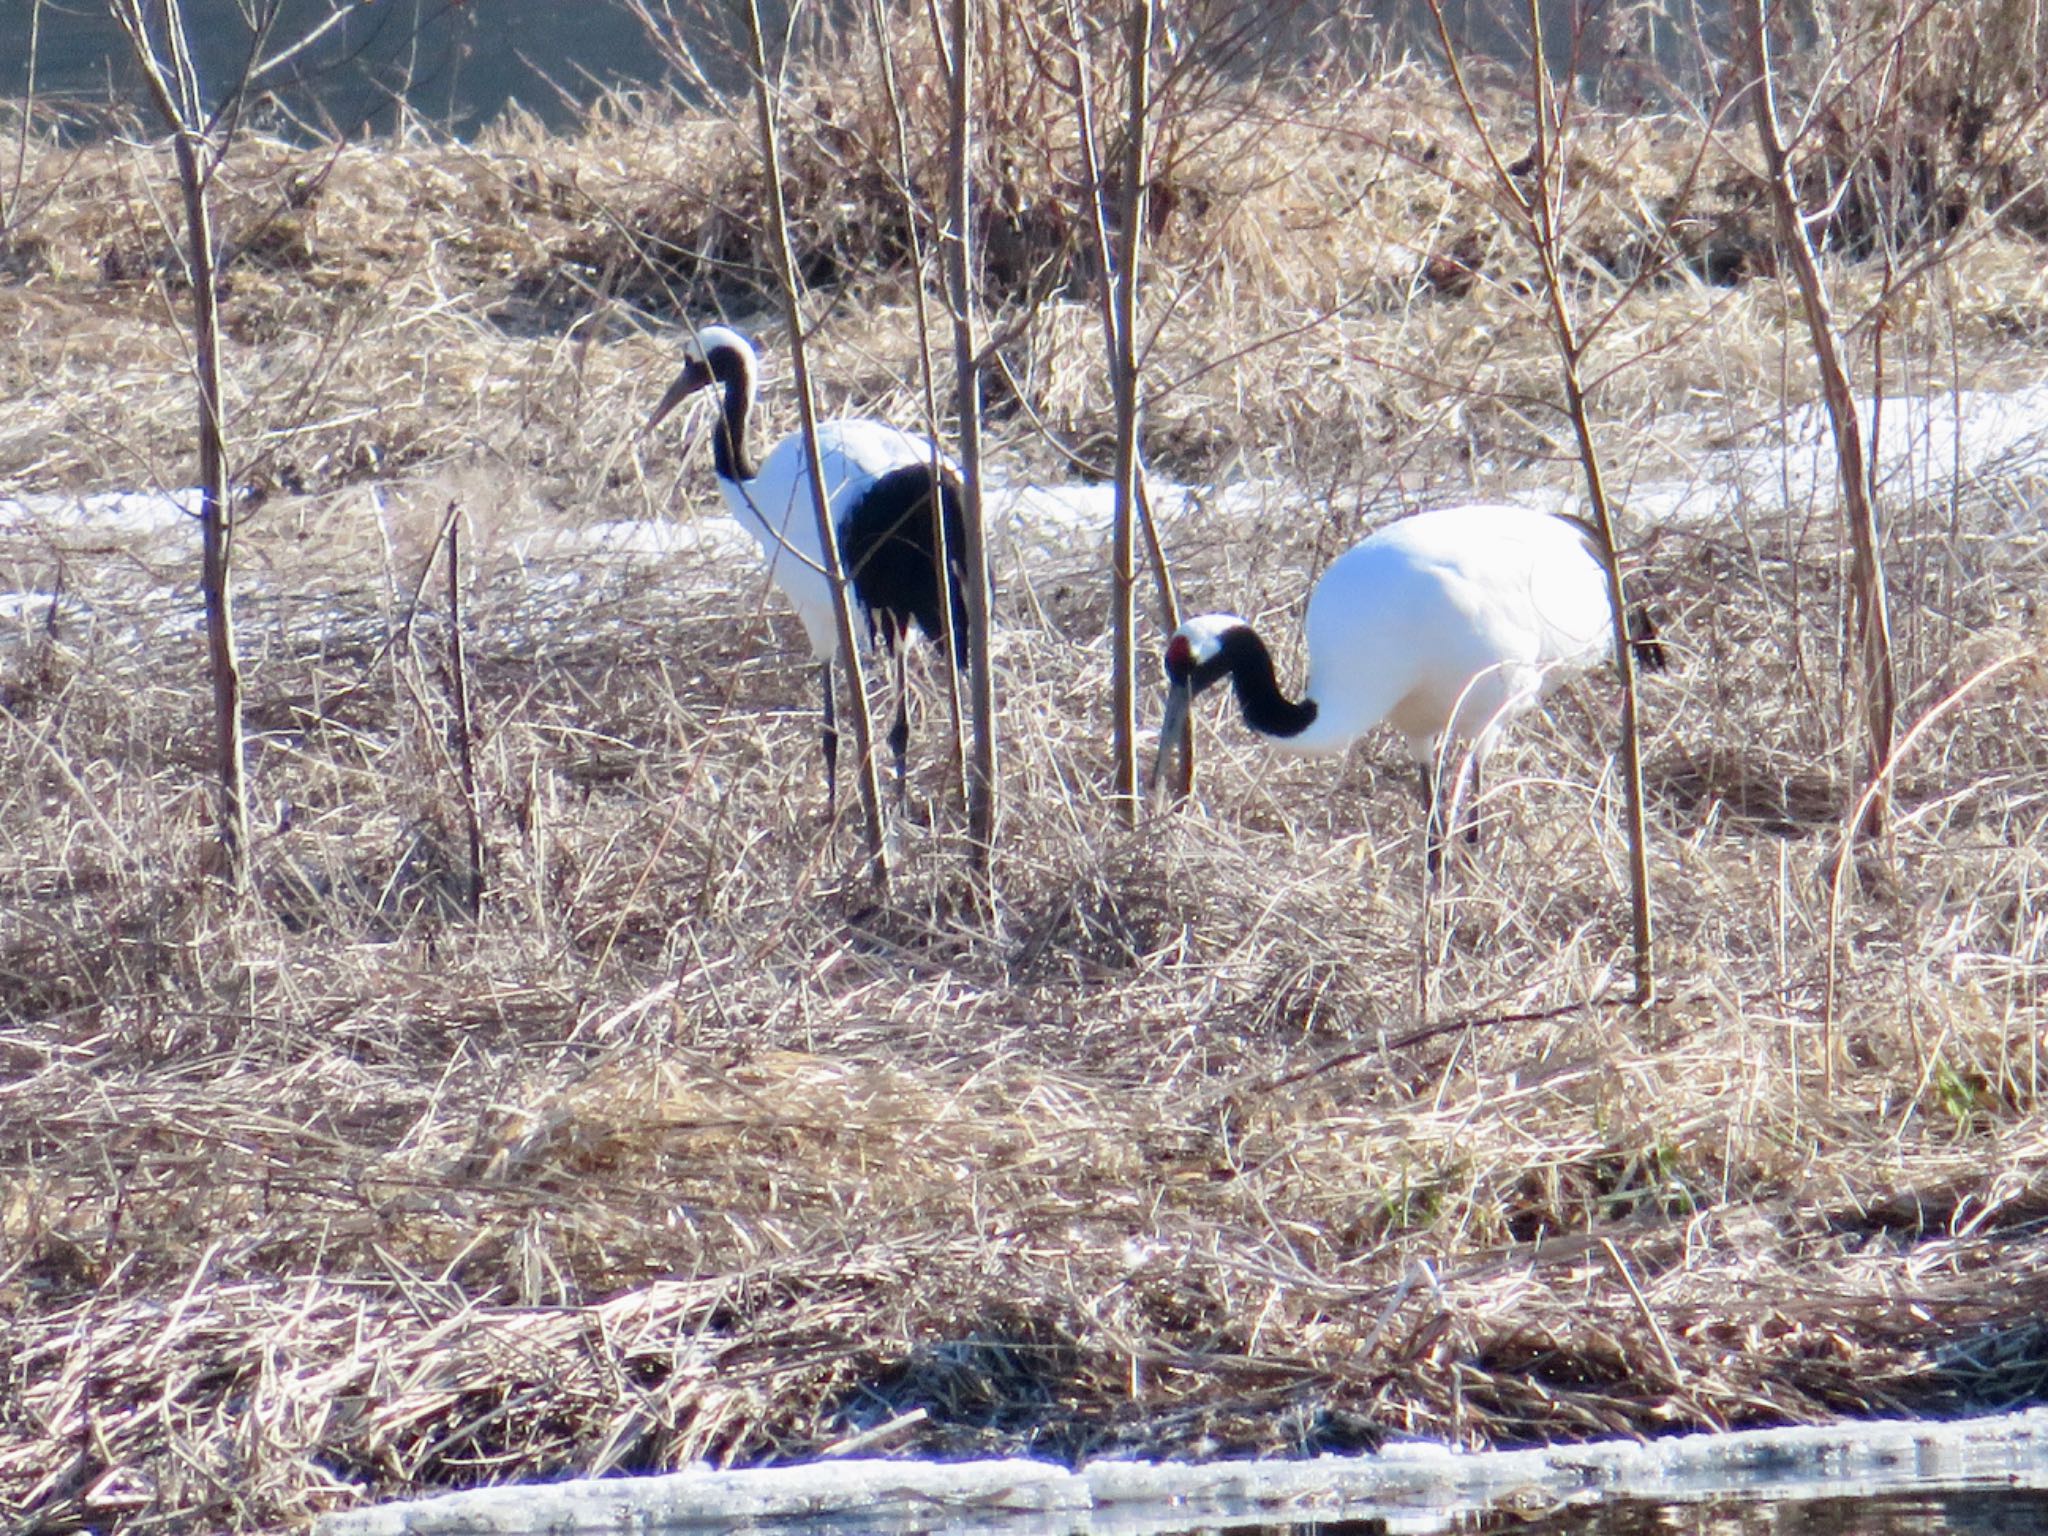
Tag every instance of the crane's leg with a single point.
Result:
(829, 740)
(1431, 788)
(1472, 810)
(899, 733)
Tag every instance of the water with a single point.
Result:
(1951, 1512)
(456, 64)
(1976, 1511)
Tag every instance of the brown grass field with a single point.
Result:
(1217, 1137)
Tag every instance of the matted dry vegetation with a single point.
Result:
(692, 1148)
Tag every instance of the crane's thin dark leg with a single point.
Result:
(1472, 818)
(899, 733)
(1426, 781)
(830, 741)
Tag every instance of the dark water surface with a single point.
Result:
(1951, 1512)
(456, 64)
(1979, 1511)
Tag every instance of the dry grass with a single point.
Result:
(693, 1149)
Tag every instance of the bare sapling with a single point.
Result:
(11, 194)
(1119, 255)
(461, 725)
(1122, 342)
(957, 247)
(1870, 638)
(1534, 209)
(200, 144)
(1183, 748)
(915, 224)
(782, 261)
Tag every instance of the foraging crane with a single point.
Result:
(878, 487)
(1447, 623)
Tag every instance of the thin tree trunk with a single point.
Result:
(1124, 382)
(1105, 251)
(784, 262)
(216, 528)
(1118, 302)
(1537, 224)
(177, 98)
(1169, 621)
(1549, 240)
(465, 734)
(957, 246)
(1870, 640)
(1644, 932)
(913, 213)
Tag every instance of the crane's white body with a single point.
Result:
(1450, 622)
(775, 507)
(1445, 624)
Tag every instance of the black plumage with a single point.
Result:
(886, 545)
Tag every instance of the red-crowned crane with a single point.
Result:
(878, 485)
(1447, 623)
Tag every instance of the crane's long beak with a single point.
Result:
(693, 378)
(678, 392)
(1171, 722)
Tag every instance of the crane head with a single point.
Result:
(719, 355)
(1194, 660)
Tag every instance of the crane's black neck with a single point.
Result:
(1243, 657)
(729, 436)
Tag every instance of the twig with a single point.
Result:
(1413, 1038)
(957, 251)
(868, 1439)
(1870, 637)
(462, 726)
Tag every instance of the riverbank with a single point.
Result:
(1213, 1138)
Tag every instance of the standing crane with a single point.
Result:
(879, 485)
(1449, 623)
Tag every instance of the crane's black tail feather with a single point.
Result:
(886, 544)
(1642, 640)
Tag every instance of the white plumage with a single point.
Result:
(879, 485)
(1449, 622)
(775, 507)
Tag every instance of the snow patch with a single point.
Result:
(101, 512)
(20, 605)
(1923, 445)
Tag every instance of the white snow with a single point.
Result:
(1058, 514)
(110, 513)
(25, 605)
(1924, 445)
